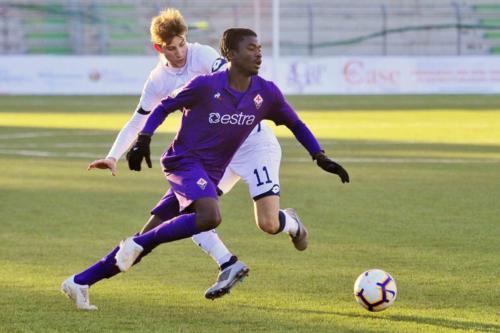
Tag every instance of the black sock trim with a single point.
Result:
(228, 263)
(282, 219)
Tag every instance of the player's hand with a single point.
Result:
(330, 166)
(139, 150)
(105, 163)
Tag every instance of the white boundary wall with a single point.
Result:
(124, 75)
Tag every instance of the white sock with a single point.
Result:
(291, 226)
(211, 244)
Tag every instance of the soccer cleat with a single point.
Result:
(127, 254)
(300, 239)
(227, 279)
(78, 293)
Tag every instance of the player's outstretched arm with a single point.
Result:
(330, 166)
(307, 139)
(283, 114)
(104, 163)
(123, 141)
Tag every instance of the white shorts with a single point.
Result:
(257, 162)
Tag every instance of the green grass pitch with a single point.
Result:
(423, 204)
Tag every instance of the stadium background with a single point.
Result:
(311, 47)
(312, 28)
(415, 120)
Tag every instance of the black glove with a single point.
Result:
(330, 166)
(139, 150)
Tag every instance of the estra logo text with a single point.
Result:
(239, 119)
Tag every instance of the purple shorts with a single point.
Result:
(189, 183)
(168, 207)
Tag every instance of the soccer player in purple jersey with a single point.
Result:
(219, 111)
(179, 61)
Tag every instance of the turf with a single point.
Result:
(422, 204)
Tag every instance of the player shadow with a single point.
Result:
(441, 322)
(364, 147)
(397, 102)
(447, 323)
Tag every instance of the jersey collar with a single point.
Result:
(254, 83)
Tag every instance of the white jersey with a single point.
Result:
(163, 79)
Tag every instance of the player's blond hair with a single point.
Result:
(168, 24)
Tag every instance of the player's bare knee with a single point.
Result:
(214, 220)
(207, 221)
(207, 214)
(267, 213)
(268, 224)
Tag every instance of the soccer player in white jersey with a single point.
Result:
(257, 162)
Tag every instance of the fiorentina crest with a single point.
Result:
(258, 101)
(202, 183)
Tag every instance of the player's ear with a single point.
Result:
(157, 47)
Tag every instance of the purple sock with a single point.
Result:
(179, 227)
(104, 268)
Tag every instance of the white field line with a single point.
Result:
(381, 160)
(400, 160)
(32, 150)
(159, 143)
(37, 153)
(24, 135)
(65, 145)
(27, 135)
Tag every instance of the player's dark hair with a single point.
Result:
(231, 38)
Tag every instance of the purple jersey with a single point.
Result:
(214, 124)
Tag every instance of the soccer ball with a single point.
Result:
(375, 290)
